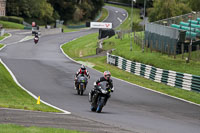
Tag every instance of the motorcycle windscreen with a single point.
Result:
(104, 85)
(82, 79)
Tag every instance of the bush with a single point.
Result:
(14, 19)
(11, 25)
(137, 26)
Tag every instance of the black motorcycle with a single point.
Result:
(81, 84)
(100, 96)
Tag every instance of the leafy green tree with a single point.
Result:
(77, 10)
(12, 8)
(64, 8)
(195, 5)
(38, 9)
(50, 10)
(165, 9)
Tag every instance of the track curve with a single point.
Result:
(46, 72)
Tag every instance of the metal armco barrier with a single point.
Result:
(171, 78)
(45, 31)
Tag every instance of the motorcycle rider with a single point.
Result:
(82, 71)
(106, 77)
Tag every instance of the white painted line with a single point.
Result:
(26, 38)
(29, 110)
(34, 96)
(119, 20)
(66, 54)
(2, 47)
(125, 18)
(6, 37)
(129, 82)
(107, 16)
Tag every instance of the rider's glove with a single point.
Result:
(112, 89)
(75, 79)
(95, 84)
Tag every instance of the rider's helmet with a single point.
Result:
(83, 67)
(107, 75)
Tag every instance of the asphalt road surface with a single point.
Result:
(45, 71)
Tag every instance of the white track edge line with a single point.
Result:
(12, 109)
(108, 14)
(34, 96)
(3, 47)
(129, 82)
(6, 37)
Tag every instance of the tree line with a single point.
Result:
(48, 11)
(162, 9)
(168, 8)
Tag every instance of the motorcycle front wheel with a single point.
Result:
(100, 105)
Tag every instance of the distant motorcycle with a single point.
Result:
(36, 39)
(100, 96)
(82, 83)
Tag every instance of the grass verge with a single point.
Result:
(84, 46)
(5, 35)
(74, 48)
(104, 15)
(11, 128)
(1, 45)
(122, 48)
(12, 96)
(11, 25)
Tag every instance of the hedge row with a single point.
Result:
(12, 19)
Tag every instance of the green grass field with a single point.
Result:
(11, 25)
(12, 96)
(83, 46)
(11, 128)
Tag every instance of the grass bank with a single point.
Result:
(11, 128)
(87, 46)
(11, 25)
(1, 45)
(12, 96)
(103, 15)
(84, 46)
(122, 48)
